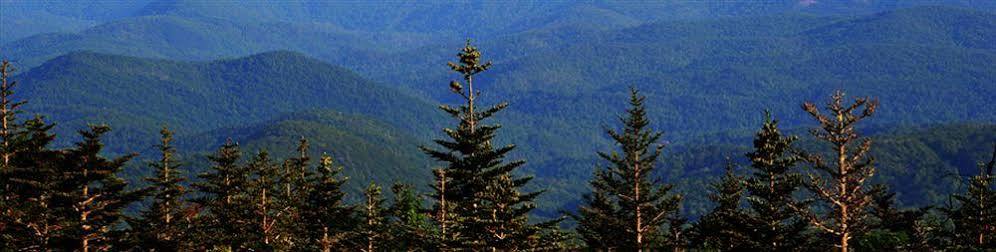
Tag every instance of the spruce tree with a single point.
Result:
(28, 220)
(264, 191)
(443, 213)
(626, 208)
(372, 233)
(410, 224)
(325, 218)
(89, 195)
(490, 211)
(840, 184)
(295, 177)
(163, 226)
(974, 212)
(224, 195)
(775, 226)
(724, 228)
(891, 228)
(25, 170)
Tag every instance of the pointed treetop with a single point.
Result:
(470, 61)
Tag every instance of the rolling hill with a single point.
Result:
(138, 95)
(369, 150)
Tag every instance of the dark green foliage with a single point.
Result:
(263, 192)
(374, 150)
(410, 226)
(165, 224)
(490, 210)
(726, 228)
(627, 209)
(974, 212)
(773, 225)
(294, 182)
(372, 234)
(894, 229)
(195, 97)
(325, 217)
(227, 209)
(706, 72)
(88, 196)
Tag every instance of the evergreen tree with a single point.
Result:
(326, 219)
(89, 196)
(891, 228)
(490, 210)
(25, 169)
(626, 209)
(27, 219)
(842, 188)
(974, 212)
(410, 225)
(443, 212)
(295, 177)
(224, 196)
(774, 225)
(163, 225)
(724, 227)
(372, 233)
(9, 109)
(264, 190)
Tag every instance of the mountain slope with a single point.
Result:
(369, 149)
(192, 97)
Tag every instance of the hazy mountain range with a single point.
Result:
(362, 80)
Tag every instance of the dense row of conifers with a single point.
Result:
(71, 199)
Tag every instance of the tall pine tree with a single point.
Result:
(225, 199)
(841, 184)
(490, 210)
(325, 218)
(724, 228)
(627, 209)
(372, 234)
(295, 177)
(974, 212)
(26, 172)
(264, 191)
(410, 224)
(163, 226)
(775, 226)
(90, 196)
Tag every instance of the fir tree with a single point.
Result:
(490, 211)
(224, 196)
(163, 225)
(410, 225)
(974, 212)
(295, 177)
(891, 228)
(28, 220)
(626, 209)
(9, 109)
(443, 212)
(89, 195)
(774, 225)
(326, 219)
(842, 188)
(372, 233)
(24, 169)
(264, 190)
(724, 227)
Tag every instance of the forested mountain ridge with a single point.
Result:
(201, 97)
(293, 119)
(372, 150)
(192, 97)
